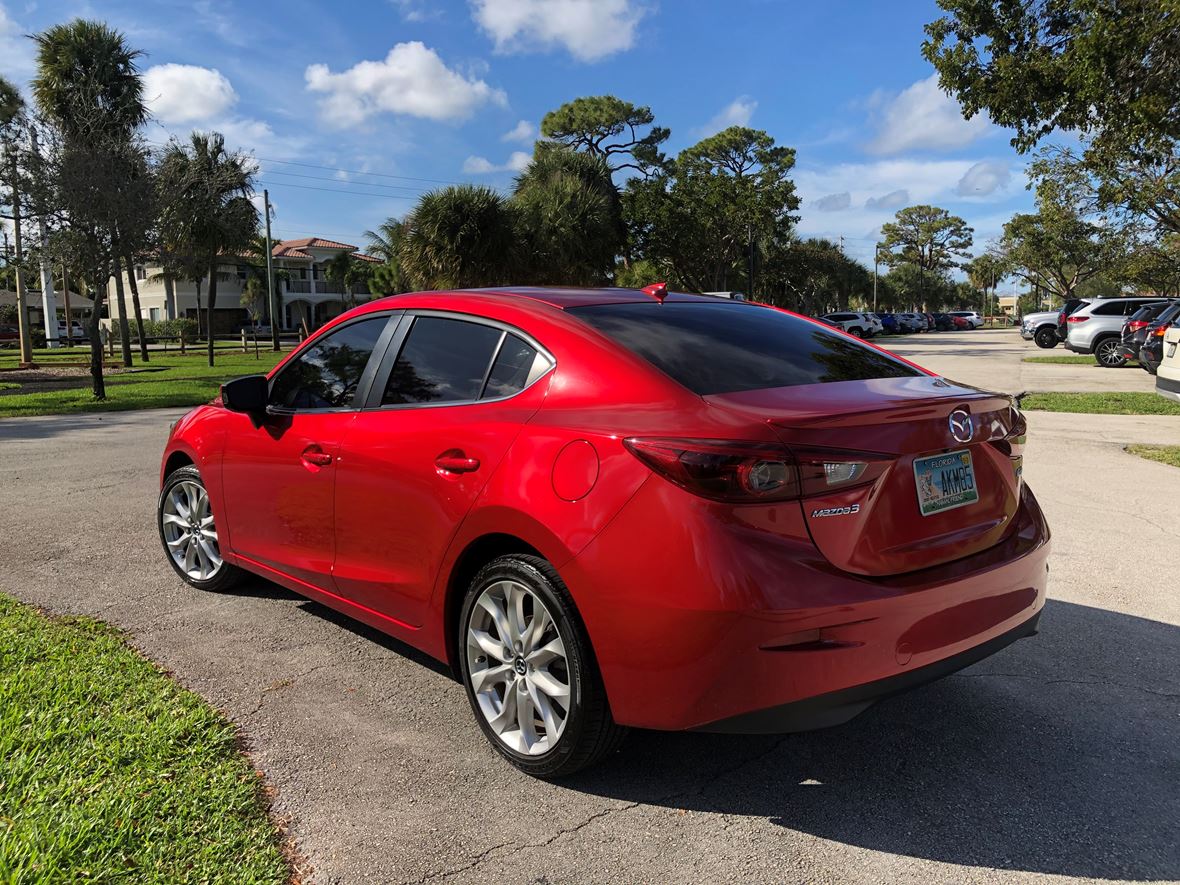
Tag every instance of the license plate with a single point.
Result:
(1171, 349)
(945, 482)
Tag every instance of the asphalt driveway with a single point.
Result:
(1060, 756)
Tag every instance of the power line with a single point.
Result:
(334, 190)
(403, 187)
(359, 172)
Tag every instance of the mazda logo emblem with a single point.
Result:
(962, 426)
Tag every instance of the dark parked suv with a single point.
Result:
(1134, 331)
(1151, 350)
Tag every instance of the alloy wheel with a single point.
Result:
(1108, 353)
(189, 533)
(518, 668)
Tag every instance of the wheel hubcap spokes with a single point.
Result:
(518, 667)
(189, 532)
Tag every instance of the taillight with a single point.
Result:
(1136, 325)
(1160, 332)
(740, 472)
(1076, 319)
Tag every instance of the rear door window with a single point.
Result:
(726, 348)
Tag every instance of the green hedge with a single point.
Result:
(158, 329)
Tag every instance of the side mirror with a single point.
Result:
(248, 394)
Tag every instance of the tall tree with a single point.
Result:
(608, 127)
(569, 218)
(459, 236)
(985, 272)
(11, 115)
(208, 213)
(721, 199)
(927, 237)
(89, 91)
(1098, 67)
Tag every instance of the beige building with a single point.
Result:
(304, 293)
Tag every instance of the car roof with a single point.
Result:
(565, 297)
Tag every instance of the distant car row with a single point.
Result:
(867, 325)
(1114, 330)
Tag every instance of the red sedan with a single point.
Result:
(610, 508)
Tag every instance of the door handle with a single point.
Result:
(316, 456)
(455, 461)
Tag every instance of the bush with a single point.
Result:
(158, 329)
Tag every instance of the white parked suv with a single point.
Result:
(857, 324)
(1040, 327)
(970, 316)
(1167, 376)
(1097, 327)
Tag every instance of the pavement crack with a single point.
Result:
(667, 800)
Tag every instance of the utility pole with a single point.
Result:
(22, 309)
(750, 246)
(876, 256)
(270, 277)
(48, 301)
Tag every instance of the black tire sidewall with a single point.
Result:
(1045, 335)
(227, 575)
(577, 659)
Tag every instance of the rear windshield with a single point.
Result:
(726, 348)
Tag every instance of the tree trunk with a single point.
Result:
(65, 285)
(98, 386)
(124, 326)
(209, 309)
(143, 350)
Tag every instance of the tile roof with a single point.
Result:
(294, 248)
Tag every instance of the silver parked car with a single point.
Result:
(1097, 327)
(1040, 327)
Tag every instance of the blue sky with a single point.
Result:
(383, 100)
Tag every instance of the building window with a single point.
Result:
(154, 314)
(140, 272)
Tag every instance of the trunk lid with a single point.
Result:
(877, 527)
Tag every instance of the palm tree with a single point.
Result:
(387, 277)
(87, 81)
(11, 104)
(89, 90)
(570, 217)
(207, 211)
(459, 236)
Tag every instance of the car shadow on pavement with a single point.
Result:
(1059, 755)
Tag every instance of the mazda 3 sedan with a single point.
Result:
(618, 508)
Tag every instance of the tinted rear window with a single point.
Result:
(729, 348)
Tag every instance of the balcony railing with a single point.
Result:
(324, 287)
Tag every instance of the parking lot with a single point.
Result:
(1058, 757)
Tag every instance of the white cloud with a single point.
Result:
(411, 80)
(984, 178)
(589, 29)
(832, 202)
(16, 50)
(187, 93)
(737, 113)
(483, 166)
(524, 132)
(892, 200)
(417, 11)
(923, 117)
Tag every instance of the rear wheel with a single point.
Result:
(189, 533)
(1107, 353)
(1046, 337)
(857, 331)
(529, 672)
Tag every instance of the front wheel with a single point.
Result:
(529, 672)
(1108, 355)
(189, 533)
(1046, 337)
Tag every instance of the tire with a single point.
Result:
(1106, 353)
(1046, 337)
(857, 331)
(208, 570)
(587, 733)
(1149, 368)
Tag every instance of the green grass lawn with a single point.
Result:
(168, 379)
(1163, 454)
(1064, 359)
(1106, 403)
(111, 772)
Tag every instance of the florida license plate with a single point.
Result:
(1171, 349)
(945, 482)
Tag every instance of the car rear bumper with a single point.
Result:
(1076, 348)
(725, 625)
(1168, 388)
(838, 707)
